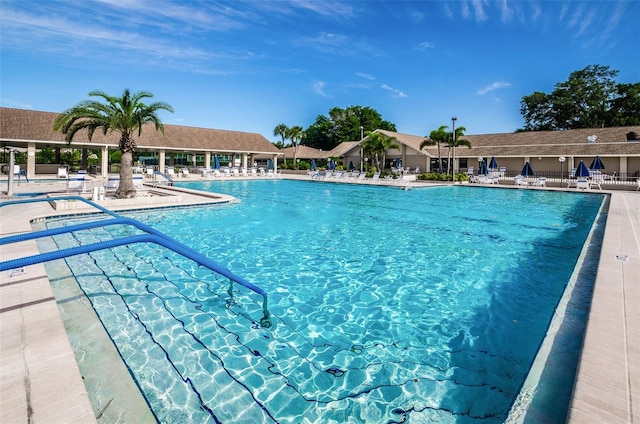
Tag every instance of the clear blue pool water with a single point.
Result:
(388, 305)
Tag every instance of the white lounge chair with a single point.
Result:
(582, 184)
(638, 182)
(541, 182)
(520, 181)
(185, 172)
(112, 183)
(502, 171)
(77, 184)
(171, 172)
(62, 172)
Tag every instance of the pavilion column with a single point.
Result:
(31, 160)
(104, 162)
(403, 155)
(162, 155)
(245, 160)
(207, 160)
(623, 165)
(275, 163)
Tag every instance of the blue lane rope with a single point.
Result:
(152, 236)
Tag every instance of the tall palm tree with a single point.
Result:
(455, 140)
(283, 131)
(436, 137)
(295, 135)
(123, 115)
(377, 144)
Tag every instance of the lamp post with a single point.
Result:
(561, 159)
(453, 146)
(361, 151)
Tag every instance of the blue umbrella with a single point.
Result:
(597, 163)
(216, 162)
(270, 164)
(582, 170)
(398, 163)
(332, 165)
(313, 164)
(494, 163)
(351, 167)
(482, 170)
(527, 170)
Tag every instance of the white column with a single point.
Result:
(245, 160)
(104, 162)
(162, 154)
(207, 160)
(623, 165)
(31, 160)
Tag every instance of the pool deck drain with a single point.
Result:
(40, 380)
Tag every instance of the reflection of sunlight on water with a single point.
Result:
(378, 285)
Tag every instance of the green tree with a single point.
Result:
(295, 134)
(343, 125)
(124, 115)
(456, 141)
(590, 98)
(376, 144)
(437, 137)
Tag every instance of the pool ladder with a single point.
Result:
(152, 236)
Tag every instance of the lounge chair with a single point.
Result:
(244, 172)
(541, 182)
(502, 171)
(520, 181)
(638, 182)
(112, 183)
(470, 170)
(254, 172)
(375, 177)
(171, 172)
(77, 183)
(185, 172)
(597, 179)
(582, 184)
(62, 172)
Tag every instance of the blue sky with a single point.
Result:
(250, 65)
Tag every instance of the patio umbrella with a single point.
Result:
(216, 162)
(351, 167)
(270, 164)
(482, 170)
(527, 171)
(582, 170)
(332, 165)
(494, 163)
(398, 163)
(597, 163)
(313, 164)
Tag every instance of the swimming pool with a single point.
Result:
(387, 305)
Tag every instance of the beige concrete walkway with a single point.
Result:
(41, 381)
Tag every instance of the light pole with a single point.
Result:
(453, 146)
(361, 151)
(561, 159)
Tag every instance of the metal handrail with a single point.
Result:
(152, 236)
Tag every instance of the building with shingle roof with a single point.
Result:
(31, 130)
(618, 147)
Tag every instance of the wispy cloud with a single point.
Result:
(318, 87)
(16, 104)
(425, 45)
(365, 76)
(492, 87)
(395, 91)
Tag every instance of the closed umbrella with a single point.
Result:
(270, 164)
(582, 170)
(527, 171)
(216, 162)
(332, 165)
(482, 170)
(597, 164)
(313, 164)
(351, 167)
(398, 163)
(494, 163)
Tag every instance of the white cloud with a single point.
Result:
(491, 87)
(395, 91)
(365, 76)
(425, 45)
(318, 87)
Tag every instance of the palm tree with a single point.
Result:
(436, 137)
(283, 131)
(124, 115)
(295, 135)
(376, 144)
(456, 141)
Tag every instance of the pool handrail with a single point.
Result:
(152, 236)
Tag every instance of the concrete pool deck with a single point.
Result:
(41, 380)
